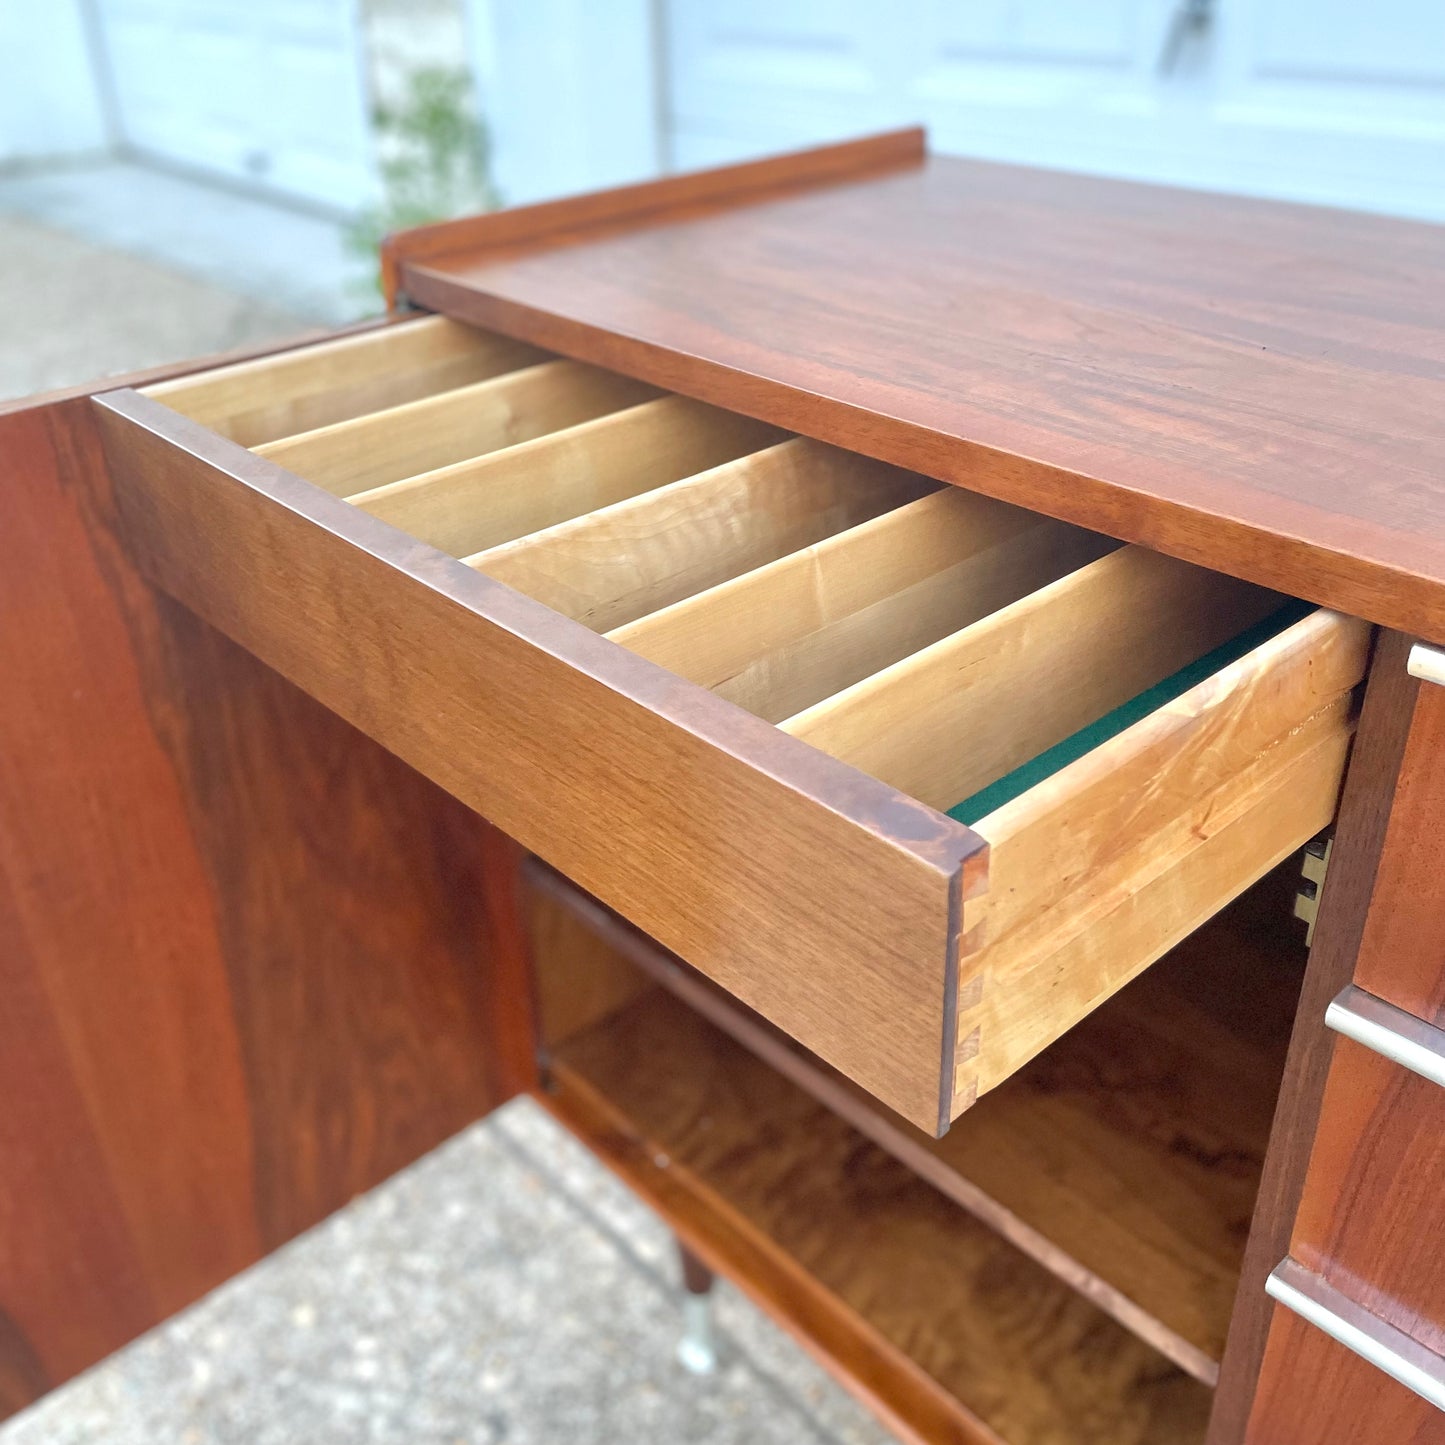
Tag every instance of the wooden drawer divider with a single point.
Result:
(929, 640)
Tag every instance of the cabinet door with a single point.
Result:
(251, 963)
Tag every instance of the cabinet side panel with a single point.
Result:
(251, 963)
(1359, 840)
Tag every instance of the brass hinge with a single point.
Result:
(1314, 866)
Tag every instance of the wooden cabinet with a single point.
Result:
(915, 699)
(1364, 1271)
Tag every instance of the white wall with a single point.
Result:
(1333, 101)
(50, 103)
(267, 92)
(570, 92)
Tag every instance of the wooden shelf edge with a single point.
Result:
(720, 186)
(850, 1103)
(852, 1351)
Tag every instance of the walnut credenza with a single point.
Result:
(917, 632)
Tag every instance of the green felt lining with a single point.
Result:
(1033, 772)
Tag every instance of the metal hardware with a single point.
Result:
(1410, 1042)
(1426, 663)
(1314, 866)
(1191, 20)
(1389, 1350)
(697, 1349)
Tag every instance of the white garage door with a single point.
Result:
(267, 91)
(1333, 101)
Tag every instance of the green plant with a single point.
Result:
(432, 159)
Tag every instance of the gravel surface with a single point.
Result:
(73, 312)
(504, 1289)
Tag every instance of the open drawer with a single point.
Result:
(920, 777)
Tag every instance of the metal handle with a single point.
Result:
(1390, 1031)
(1426, 663)
(1191, 19)
(1389, 1350)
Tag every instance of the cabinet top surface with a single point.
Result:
(1255, 386)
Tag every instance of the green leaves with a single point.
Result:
(432, 159)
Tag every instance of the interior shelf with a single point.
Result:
(956, 1333)
(1125, 1160)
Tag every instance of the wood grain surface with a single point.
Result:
(1372, 1213)
(1152, 784)
(703, 825)
(579, 977)
(611, 566)
(1108, 1160)
(553, 221)
(244, 952)
(907, 1399)
(1402, 955)
(1359, 837)
(1253, 386)
(1147, 836)
(1313, 1391)
(437, 431)
(852, 631)
(487, 500)
(277, 395)
(1372, 1218)
(1020, 1351)
(945, 722)
(789, 634)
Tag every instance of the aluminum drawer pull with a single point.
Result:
(1426, 663)
(1391, 1351)
(1389, 1031)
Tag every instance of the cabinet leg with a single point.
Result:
(697, 1349)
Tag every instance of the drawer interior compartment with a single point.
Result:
(921, 777)
(1108, 1160)
(926, 1307)
(260, 401)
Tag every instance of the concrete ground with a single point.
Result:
(285, 258)
(73, 312)
(504, 1289)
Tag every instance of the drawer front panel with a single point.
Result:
(820, 897)
(1372, 1219)
(1313, 1390)
(1356, 1347)
(1402, 955)
(813, 673)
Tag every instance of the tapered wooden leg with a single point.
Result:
(697, 1349)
